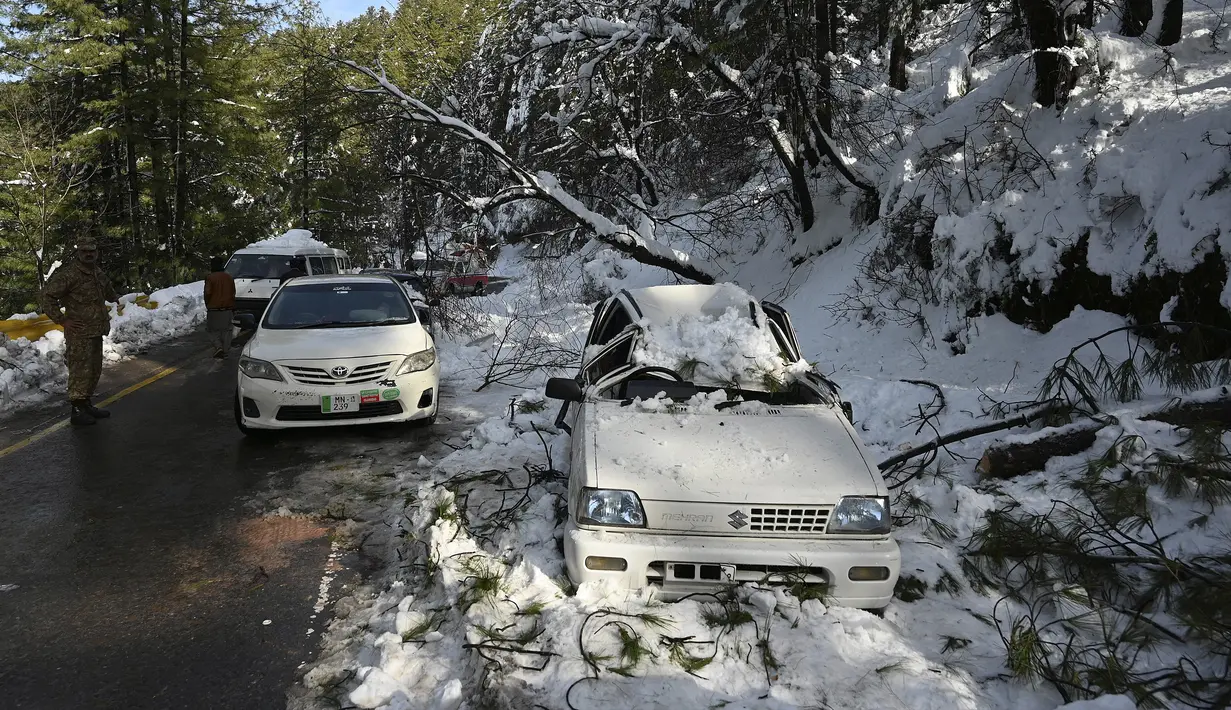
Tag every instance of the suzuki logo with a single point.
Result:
(339, 372)
(738, 519)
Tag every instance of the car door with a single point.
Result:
(612, 357)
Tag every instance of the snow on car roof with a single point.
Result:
(660, 304)
(292, 239)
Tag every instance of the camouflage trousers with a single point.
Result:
(84, 357)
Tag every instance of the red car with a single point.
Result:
(462, 275)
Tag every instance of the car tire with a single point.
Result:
(479, 289)
(450, 289)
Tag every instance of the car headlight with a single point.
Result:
(259, 369)
(616, 508)
(860, 515)
(418, 362)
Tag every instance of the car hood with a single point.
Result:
(747, 454)
(338, 343)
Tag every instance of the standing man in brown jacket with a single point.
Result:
(220, 306)
(82, 290)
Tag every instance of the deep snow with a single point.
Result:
(477, 611)
(474, 609)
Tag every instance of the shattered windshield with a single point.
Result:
(727, 350)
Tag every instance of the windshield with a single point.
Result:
(338, 305)
(263, 266)
(645, 385)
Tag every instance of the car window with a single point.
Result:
(614, 322)
(615, 356)
(785, 332)
(323, 264)
(338, 305)
(783, 342)
(260, 266)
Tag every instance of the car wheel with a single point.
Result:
(451, 289)
(479, 289)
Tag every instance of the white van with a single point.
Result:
(258, 270)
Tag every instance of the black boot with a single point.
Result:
(81, 414)
(95, 411)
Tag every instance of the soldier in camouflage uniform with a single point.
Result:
(82, 290)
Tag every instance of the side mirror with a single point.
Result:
(247, 321)
(565, 389)
(434, 302)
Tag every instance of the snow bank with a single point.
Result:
(292, 238)
(478, 606)
(501, 584)
(1133, 166)
(34, 371)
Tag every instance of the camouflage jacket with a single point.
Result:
(82, 291)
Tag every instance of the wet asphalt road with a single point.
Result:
(143, 571)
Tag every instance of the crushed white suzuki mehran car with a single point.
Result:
(706, 452)
(338, 349)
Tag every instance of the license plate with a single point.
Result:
(338, 403)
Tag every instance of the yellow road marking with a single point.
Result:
(64, 422)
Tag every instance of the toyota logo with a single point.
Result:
(339, 372)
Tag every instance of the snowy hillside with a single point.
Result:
(1030, 592)
(1130, 181)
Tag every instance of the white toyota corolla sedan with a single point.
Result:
(333, 350)
(706, 452)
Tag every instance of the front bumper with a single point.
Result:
(650, 557)
(266, 404)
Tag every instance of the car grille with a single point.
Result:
(320, 376)
(314, 414)
(788, 520)
(251, 305)
(657, 572)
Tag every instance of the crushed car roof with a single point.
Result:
(660, 304)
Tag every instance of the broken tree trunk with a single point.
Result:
(1001, 425)
(1008, 459)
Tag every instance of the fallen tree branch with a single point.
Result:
(1020, 420)
(1008, 459)
(643, 247)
